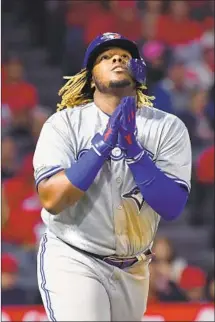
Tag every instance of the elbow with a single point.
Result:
(50, 200)
(176, 205)
(51, 207)
(175, 211)
(56, 205)
(55, 198)
(53, 211)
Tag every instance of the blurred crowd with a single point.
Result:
(173, 279)
(176, 39)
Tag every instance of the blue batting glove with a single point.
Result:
(137, 69)
(103, 144)
(127, 140)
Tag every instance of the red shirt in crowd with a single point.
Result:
(112, 21)
(100, 21)
(131, 29)
(24, 212)
(77, 13)
(19, 96)
(208, 23)
(174, 32)
(205, 166)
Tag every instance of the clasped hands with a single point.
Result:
(120, 131)
(121, 126)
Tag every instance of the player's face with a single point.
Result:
(110, 70)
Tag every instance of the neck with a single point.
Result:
(107, 102)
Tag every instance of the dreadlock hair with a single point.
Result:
(78, 91)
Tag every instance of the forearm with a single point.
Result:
(57, 193)
(66, 187)
(163, 194)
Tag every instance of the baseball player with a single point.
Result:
(107, 166)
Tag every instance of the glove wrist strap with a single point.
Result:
(100, 146)
(135, 159)
(134, 150)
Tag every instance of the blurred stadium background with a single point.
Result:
(44, 40)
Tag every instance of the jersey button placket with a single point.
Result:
(118, 181)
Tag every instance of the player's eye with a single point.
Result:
(125, 56)
(104, 57)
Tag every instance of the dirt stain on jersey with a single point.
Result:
(134, 230)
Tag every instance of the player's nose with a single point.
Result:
(117, 59)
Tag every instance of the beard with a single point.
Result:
(112, 85)
(120, 84)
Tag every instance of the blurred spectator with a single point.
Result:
(202, 10)
(26, 140)
(126, 19)
(203, 194)
(96, 14)
(39, 117)
(9, 160)
(78, 11)
(205, 166)
(55, 30)
(80, 20)
(3, 73)
(150, 12)
(155, 7)
(209, 110)
(148, 28)
(193, 282)
(76, 19)
(24, 206)
(6, 117)
(161, 287)
(83, 19)
(19, 95)
(22, 231)
(176, 27)
(11, 294)
(203, 69)
(194, 117)
(165, 253)
(210, 287)
(209, 18)
(4, 208)
(35, 14)
(202, 134)
(172, 92)
(154, 53)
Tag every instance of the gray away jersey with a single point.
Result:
(112, 217)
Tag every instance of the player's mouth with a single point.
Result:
(119, 68)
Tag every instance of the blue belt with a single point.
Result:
(120, 262)
(123, 262)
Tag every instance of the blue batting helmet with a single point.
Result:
(108, 39)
